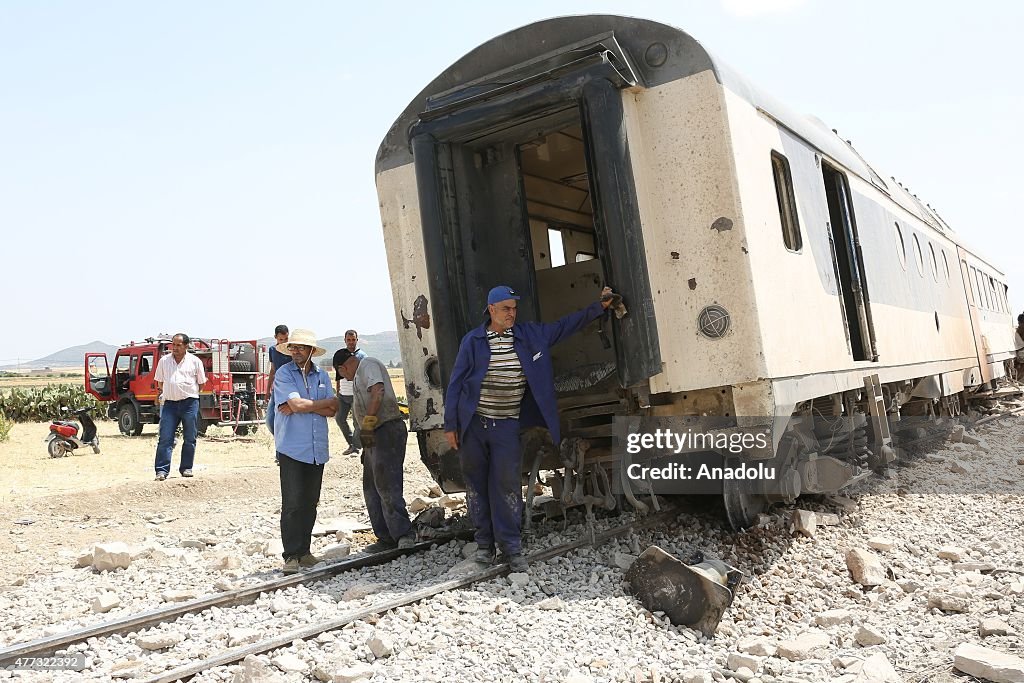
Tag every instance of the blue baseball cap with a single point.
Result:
(500, 293)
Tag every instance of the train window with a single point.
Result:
(556, 248)
(992, 293)
(945, 264)
(787, 202)
(972, 277)
(935, 262)
(901, 247)
(918, 256)
(1006, 297)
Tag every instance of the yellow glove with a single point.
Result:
(366, 437)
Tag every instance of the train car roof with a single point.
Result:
(660, 53)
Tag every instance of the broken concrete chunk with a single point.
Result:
(739, 661)
(808, 644)
(882, 543)
(834, 617)
(949, 602)
(361, 589)
(988, 664)
(110, 556)
(158, 641)
(803, 522)
(335, 551)
(380, 645)
(868, 635)
(756, 645)
(994, 627)
(865, 568)
(953, 553)
(104, 602)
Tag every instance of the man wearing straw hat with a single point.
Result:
(304, 399)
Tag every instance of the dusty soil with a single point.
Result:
(67, 504)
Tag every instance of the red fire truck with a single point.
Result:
(235, 393)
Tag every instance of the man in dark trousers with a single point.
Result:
(304, 399)
(382, 434)
(503, 369)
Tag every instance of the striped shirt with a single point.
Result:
(504, 383)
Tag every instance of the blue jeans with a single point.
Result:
(382, 481)
(173, 413)
(491, 460)
(341, 418)
(269, 419)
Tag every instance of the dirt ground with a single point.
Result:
(67, 504)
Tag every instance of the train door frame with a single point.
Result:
(972, 297)
(590, 93)
(848, 263)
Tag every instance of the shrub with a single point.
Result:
(44, 403)
(5, 428)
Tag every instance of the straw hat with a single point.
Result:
(304, 337)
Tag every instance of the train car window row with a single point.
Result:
(986, 292)
(787, 202)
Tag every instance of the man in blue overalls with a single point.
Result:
(502, 381)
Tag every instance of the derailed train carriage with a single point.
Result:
(773, 278)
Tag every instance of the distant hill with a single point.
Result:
(73, 356)
(383, 345)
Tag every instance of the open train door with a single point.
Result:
(980, 342)
(472, 209)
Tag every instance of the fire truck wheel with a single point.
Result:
(128, 420)
(240, 366)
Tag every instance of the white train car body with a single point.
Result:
(767, 267)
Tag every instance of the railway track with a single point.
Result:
(42, 647)
(47, 646)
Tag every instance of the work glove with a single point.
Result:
(366, 436)
(616, 306)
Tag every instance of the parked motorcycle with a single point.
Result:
(63, 437)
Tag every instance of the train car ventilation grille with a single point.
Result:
(713, 322)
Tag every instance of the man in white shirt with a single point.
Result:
(179, 375)
(344, 391)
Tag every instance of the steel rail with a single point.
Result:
(312, 630)
(47, 645)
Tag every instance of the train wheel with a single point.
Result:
(742, 504)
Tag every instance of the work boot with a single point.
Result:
(517, 563)
(309, 560)
(407, 541)
(484, 555)
(187, 473)
(291, 566)
(161, 476)
(351, 450)
(380, 546)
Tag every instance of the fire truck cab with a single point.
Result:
(235, 393)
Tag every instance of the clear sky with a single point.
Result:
(207, 167)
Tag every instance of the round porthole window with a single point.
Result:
(918, 256)
(901, 247)
(934, 261)
(945, 264)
